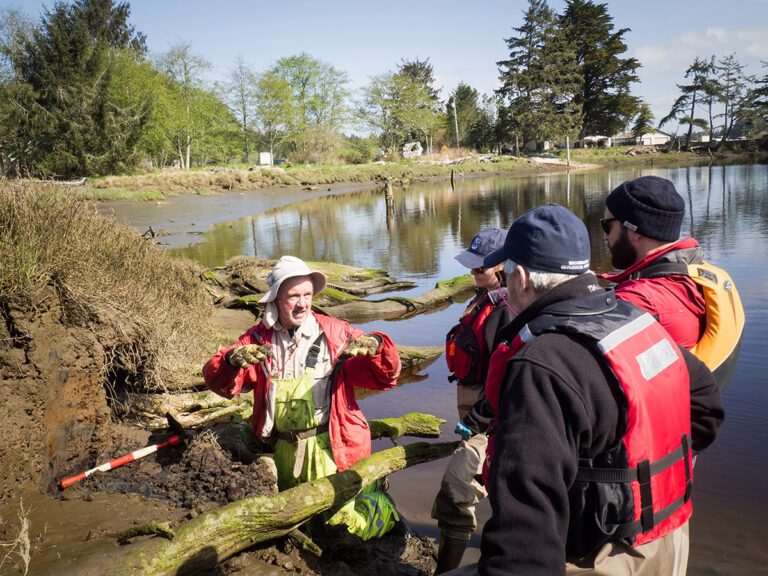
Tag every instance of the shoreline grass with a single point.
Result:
(160, 184)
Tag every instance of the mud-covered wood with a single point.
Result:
(201, 543)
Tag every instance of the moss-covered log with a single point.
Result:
(212, 537)
(245, 279)
(413, 424)
(244, 275)
(394, 307)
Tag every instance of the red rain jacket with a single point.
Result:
(350, 435)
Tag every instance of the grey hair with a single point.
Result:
(541, 282)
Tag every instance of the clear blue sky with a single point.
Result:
(463, 40)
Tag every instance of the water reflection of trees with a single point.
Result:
(426, 223)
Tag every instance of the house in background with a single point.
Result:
(596, 142)
(650, 139)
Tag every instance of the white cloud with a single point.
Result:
(664, 62)
(676, 54)
(717, 35)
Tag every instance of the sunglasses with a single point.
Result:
(606, 224)
(478, 270)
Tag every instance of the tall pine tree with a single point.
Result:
(604, 95)
(684, 108)
(70, 65)
(540, 79)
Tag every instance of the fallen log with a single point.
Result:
(394, 307)
(245, 275)
(207, 540)
(413, 424)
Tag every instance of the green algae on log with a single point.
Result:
(214, 536)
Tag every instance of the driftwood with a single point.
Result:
(358, 310)
(244, 276)
(80, 182)
(413, 424)
(242, 282)
(203, 542)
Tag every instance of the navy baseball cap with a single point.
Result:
(485, 241)
(546, 239)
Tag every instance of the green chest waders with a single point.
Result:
(303, 453)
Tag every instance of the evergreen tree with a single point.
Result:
(604, 94)
(69, 63)
(540, 79)
(643, 123)
(418, 77)
(757, 107)
(732, 86)
(421, 72)
(684, 108)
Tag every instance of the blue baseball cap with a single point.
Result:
(485, 241)
(546, 239)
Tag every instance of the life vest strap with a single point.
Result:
(642, 474)
(632, 529)
(314, 352)
(612, 475)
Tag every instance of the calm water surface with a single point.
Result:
(416, 236)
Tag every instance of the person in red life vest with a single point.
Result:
(597, 414)
(302, 367)
(468, 349)
(696, 302)
(641, 227)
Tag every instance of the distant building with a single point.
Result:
(654, 138)
(596, 141)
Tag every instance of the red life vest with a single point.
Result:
(465, 349)
(638, 491)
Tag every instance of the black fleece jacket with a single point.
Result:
(558, 403)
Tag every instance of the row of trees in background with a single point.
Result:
(80, 95)
(721, 99)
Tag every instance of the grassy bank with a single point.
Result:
(162, 183)
(151, 308)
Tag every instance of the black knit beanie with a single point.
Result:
(650, 206)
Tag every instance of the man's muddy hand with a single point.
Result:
(362, 346)
(243, 356)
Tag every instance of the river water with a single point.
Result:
(415, 237)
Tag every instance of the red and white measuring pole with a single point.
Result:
(172, 441)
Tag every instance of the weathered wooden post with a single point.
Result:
(389, 200)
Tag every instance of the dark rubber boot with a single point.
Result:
(449, 553)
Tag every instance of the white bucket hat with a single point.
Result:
(290, 267)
